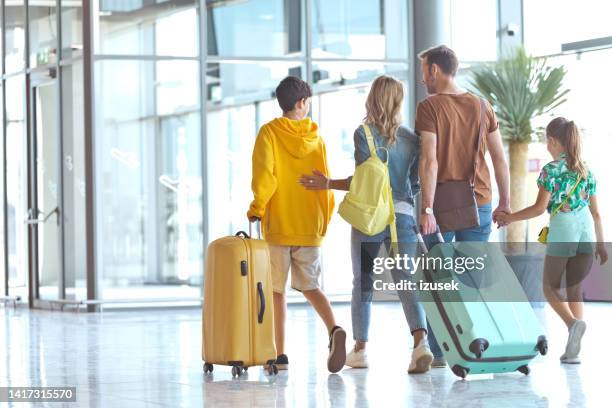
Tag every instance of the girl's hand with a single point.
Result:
(503, 218)
(601, 253)
(314, 181)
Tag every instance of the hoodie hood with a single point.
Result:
(298, 137)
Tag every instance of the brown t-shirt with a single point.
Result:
(455, 119)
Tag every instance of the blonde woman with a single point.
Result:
(383, 108)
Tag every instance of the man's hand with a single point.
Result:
(428, 224)
(500, 211)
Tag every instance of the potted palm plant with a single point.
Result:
(520, 88)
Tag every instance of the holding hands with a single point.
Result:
(502, 216)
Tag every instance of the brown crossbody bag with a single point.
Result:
(454, 205)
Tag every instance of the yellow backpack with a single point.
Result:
(368, 206)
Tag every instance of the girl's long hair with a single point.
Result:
(383, 106)
(567, 133)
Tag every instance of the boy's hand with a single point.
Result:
(601, 253)
(314, 181)
(254, 219)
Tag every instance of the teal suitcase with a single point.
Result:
(487, 325)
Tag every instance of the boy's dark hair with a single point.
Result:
(290, 91)
(443, 57)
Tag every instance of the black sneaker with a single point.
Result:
(337, 349)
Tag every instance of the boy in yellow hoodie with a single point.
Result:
(294, 220)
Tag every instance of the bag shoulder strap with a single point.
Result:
(392, 225)
(567, 197)
(372, 143)
(481, 130)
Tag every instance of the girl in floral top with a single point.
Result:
(567, 191)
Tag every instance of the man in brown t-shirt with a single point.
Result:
(448, 123)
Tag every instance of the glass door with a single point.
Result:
(44, 217)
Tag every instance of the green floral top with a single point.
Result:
(557, 179)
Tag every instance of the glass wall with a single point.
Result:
(16, 186)
(587, 102)
(73, 163)
(43, 33)
(148, 151)
(166, 145)
(474, 34)
(141, 27)
(550, 23)
(72, 28)
(352, 42)
(3, 253)
(14, 35)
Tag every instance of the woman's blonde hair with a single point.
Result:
(383, 106)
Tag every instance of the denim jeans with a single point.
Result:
(363, 285)
(477, 234)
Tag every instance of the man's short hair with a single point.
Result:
(291, 90)
(443, 57)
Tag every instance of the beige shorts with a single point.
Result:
(305, 265)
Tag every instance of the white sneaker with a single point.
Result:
(570, 360)
(357, 359)
(576, 331)
(421, 359)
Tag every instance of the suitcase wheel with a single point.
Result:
(524, 369)
(237, 371)
(272, 369)
(208, 368)
(478, 346)
(460, 371)
(542, 345)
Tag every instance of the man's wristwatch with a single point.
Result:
(427, 210)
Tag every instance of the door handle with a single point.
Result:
(37, 220)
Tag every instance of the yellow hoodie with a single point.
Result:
(284, 150)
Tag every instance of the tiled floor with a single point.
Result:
(152, 358)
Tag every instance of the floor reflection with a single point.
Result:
(152, 358)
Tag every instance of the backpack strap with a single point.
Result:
(373, 152)
(372, 143)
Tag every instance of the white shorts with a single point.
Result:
(305, 265)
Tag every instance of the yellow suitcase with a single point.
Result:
(237, 313)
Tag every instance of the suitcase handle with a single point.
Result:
(258, 223)
(243, 234)
(422, 241)
(262, 303)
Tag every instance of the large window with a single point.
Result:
(360, 29)
(72, 28)
(16, 186)
(352, 42)
(473, 29)
(137, 27)
(550, 23)
(14, 36)
(3, 253)
(148, 150)
(73, 163)
(256, 28)
(43, 33)
(173, 130)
